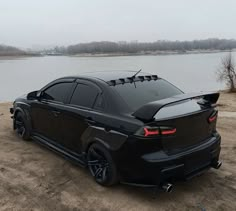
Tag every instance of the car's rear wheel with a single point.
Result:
(21, 127)
(101, 165)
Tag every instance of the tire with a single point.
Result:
(101, 165)
(21, 127)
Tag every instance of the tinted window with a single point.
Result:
(140, 93)
(100, 103)
(57, 92)
(84, 95)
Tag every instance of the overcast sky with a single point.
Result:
(28, 23)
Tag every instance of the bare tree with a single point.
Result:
(227, 72)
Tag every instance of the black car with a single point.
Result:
(128, 127)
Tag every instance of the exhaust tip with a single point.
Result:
(217, 165)
(167, 187)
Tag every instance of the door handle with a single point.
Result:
(90, 120)
(56, 113)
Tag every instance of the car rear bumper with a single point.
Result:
(157, 168)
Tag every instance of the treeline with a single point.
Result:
(106, 47)
(139, 47)
(10, 51)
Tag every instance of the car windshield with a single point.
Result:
(140, 93)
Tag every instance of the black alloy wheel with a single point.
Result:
(20, 127)
(101, 165)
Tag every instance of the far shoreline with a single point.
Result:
(5, 57)
(156, 53)
(118, 54)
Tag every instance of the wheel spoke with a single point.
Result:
(21, 131)
(19, 123)
(98, 172)
(20, 128)
(104, 173)
(93, 162)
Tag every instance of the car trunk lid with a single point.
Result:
(191, 129)
(183, 121)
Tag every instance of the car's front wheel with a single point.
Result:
(101, 165)
(21, 126)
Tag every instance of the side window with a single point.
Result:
(84, 95)
(57, 92)
(99, 104)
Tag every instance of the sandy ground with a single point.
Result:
(34, 178)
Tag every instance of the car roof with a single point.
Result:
(111, 75)
(115, 77)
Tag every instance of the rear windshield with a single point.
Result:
(140, 93)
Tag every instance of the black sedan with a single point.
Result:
(128, 127)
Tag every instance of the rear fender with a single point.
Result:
(112, 140)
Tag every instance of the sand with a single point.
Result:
(34, 178)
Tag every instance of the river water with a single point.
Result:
(190, 72)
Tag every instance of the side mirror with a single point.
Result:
(38, 95)
(35, 95)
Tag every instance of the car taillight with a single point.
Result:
(148, 131)
(168, 131)
(213, 117)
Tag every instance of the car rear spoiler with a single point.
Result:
(147, 111)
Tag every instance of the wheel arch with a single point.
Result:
(96, 140)
(111, 140)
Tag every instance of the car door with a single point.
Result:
(46, 112)
(79, 113)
